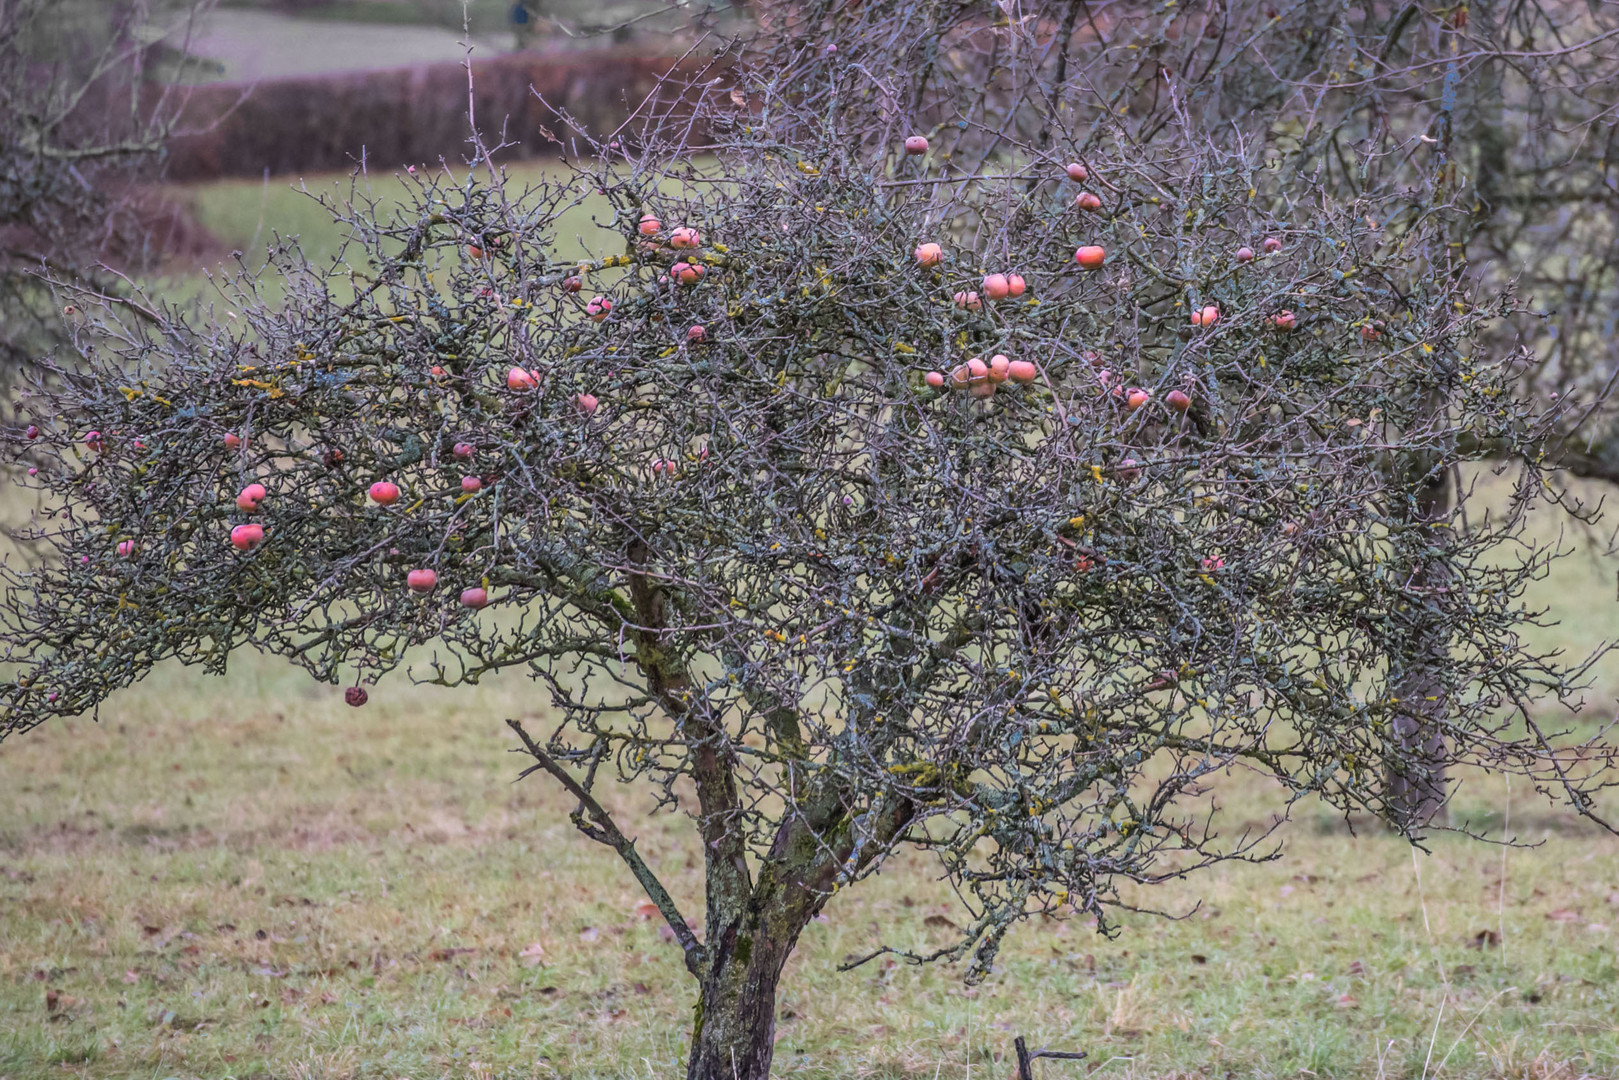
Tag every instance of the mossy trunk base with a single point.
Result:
(733, 1037)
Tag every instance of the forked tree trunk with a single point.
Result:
(733, 1036)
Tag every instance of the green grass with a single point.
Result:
(245, 878)
(250, 215)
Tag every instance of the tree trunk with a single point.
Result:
(733, 1036)
(1415, 786)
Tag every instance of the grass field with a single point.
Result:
(244, 878)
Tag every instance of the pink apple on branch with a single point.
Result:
(250, 497)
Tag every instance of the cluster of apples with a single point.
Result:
(1089, 257)
(981, 378)
(247, 536)
(994, 287)
(424, 580)
(681, 238)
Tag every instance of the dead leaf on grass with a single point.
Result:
(646, 909)
(1484, 939)
(450, 954)
(1562, 915)
(589, 933)
(534, 953)
(940, 920)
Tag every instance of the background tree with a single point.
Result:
(80, 126)
(752, 494)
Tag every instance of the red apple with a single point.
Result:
(249, 497)
(684, 238)
(474, 598)
(1022, 371)
(32, 432)
(572, 283)
(598, 308)
(246, 537)
(916, 144)
(421, 580)
(1087, 201)
(356, 696)
(384, 493)
(1077, 172)
(985, 389)
(463, 450)
(996, 287)
(233, 441)
(935, 379)
(960, 377)
(475, 251)
(1206, 316)
(928, 254)
(696, 334)
(1091, 256)
(649, 225)
(126, 548)
(1137, 397)
(518, 379)
(968, 300)
(1129, 470)
(93, 440)
(977, 370)
(1284, 320)
(1245, 254)
(585, 403)
(1272, 245)
(1370, 332)
(1177, 400)
(1015, 285)
(471, 484)
(999, 367)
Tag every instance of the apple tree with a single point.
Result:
(864, 481)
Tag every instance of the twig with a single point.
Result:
(1025, 1059)
(607, 832)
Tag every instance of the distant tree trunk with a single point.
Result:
(1415, 783)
